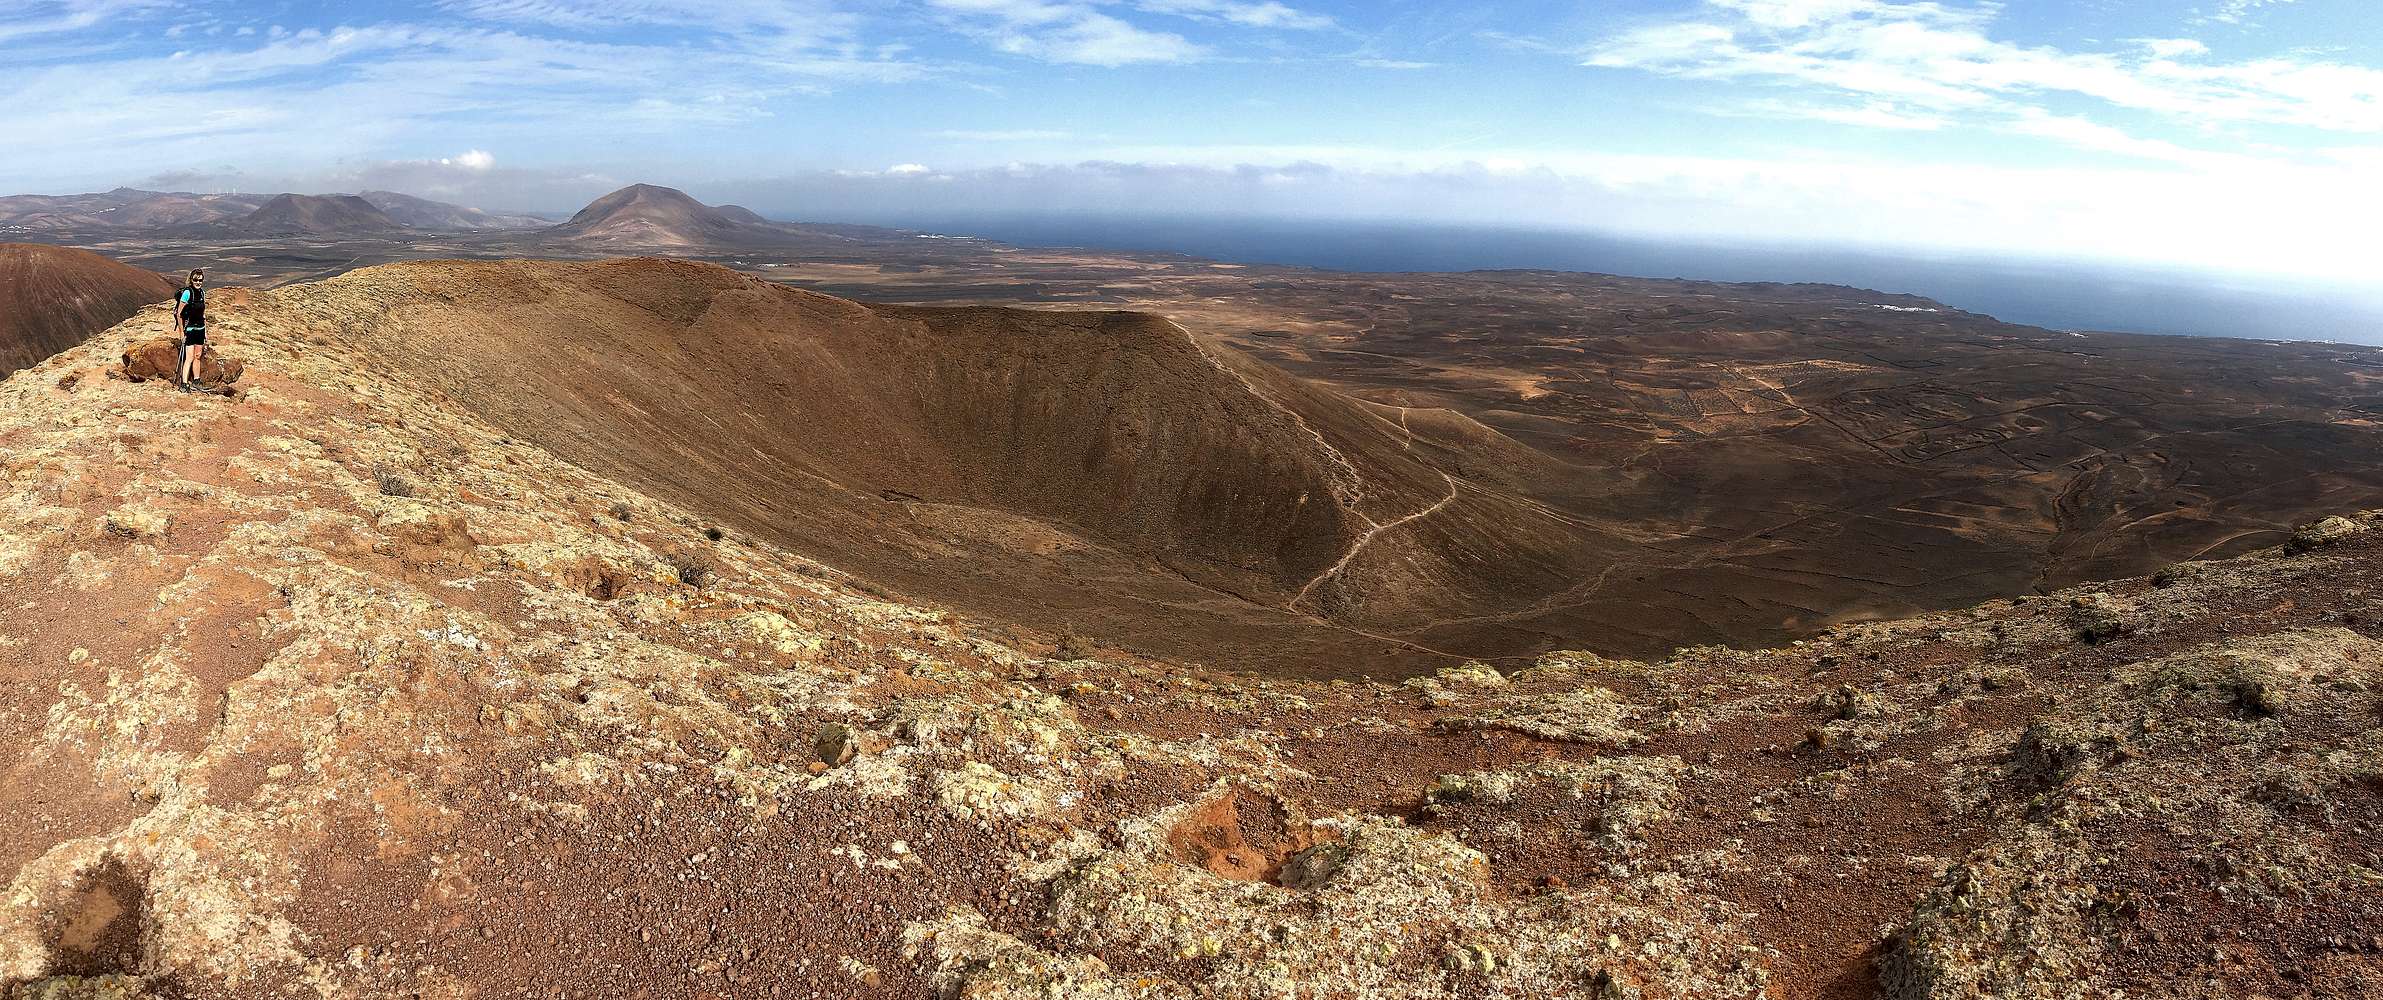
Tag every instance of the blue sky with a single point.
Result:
(2244, 135)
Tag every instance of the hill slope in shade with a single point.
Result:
(423, 213)
(309, 214)
(52, 298)
(739, 213)
(338, 691)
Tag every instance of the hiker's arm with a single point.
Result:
(174, 315)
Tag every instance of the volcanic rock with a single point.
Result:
(160, 359)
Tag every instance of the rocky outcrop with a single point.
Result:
(160, 359)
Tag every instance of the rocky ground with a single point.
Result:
(323, 688)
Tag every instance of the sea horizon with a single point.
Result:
(2058, 294)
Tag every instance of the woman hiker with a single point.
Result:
(190, 315)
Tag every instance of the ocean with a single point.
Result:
(2059, 294)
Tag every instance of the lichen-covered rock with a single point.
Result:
(2208, 755)
(101, 987)
(1610, 801)
(137, 521)
(418, 526)
(1382, 924)
(2323, 533)
(971, 961)
(1584, 715)
(1451, 684)
(979, 791)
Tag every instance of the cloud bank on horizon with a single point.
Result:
(2231, 134)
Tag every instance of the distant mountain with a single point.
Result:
(320, 215)
(52, 298)
(122, 208)
(423, 213)
(250, 214)
(650, 215)
(742, 214)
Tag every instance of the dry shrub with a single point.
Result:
(391, 483)
(692, 569)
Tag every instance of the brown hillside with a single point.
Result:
(423, 213)
(52, 298)
(651, 215)
(1105, 472)
(122, 209)
(739, 213)
(328, 214)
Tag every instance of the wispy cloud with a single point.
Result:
(1867, 114)
(1002, 135)
(1066, 33)
(31, 18)
(1265, 14)
(2240, 11)
(1095, 32)
(1941, 56)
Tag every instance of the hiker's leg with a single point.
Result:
(182, 370)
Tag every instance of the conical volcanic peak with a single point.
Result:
(321, 215)
(52, 298)
(651, 215)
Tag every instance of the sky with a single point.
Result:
(2234, 135)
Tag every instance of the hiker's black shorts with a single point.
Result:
(194, 337)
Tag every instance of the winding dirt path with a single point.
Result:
(1370, 534)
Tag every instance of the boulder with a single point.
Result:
(160, 359)
(2323, 533)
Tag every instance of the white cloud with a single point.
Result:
(1265, 14)
(907, 169)
(393, 85)
(2083, 133)
(2175, 48)
(475, 159)
(1085, 32)
(2240, 11)
(809, 22)
(1066, 33)
(29, 18)
(1940, 55)
(1002, 135)
(2307, 220)
(1871, 114)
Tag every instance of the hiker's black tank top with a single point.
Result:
(194, 308)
